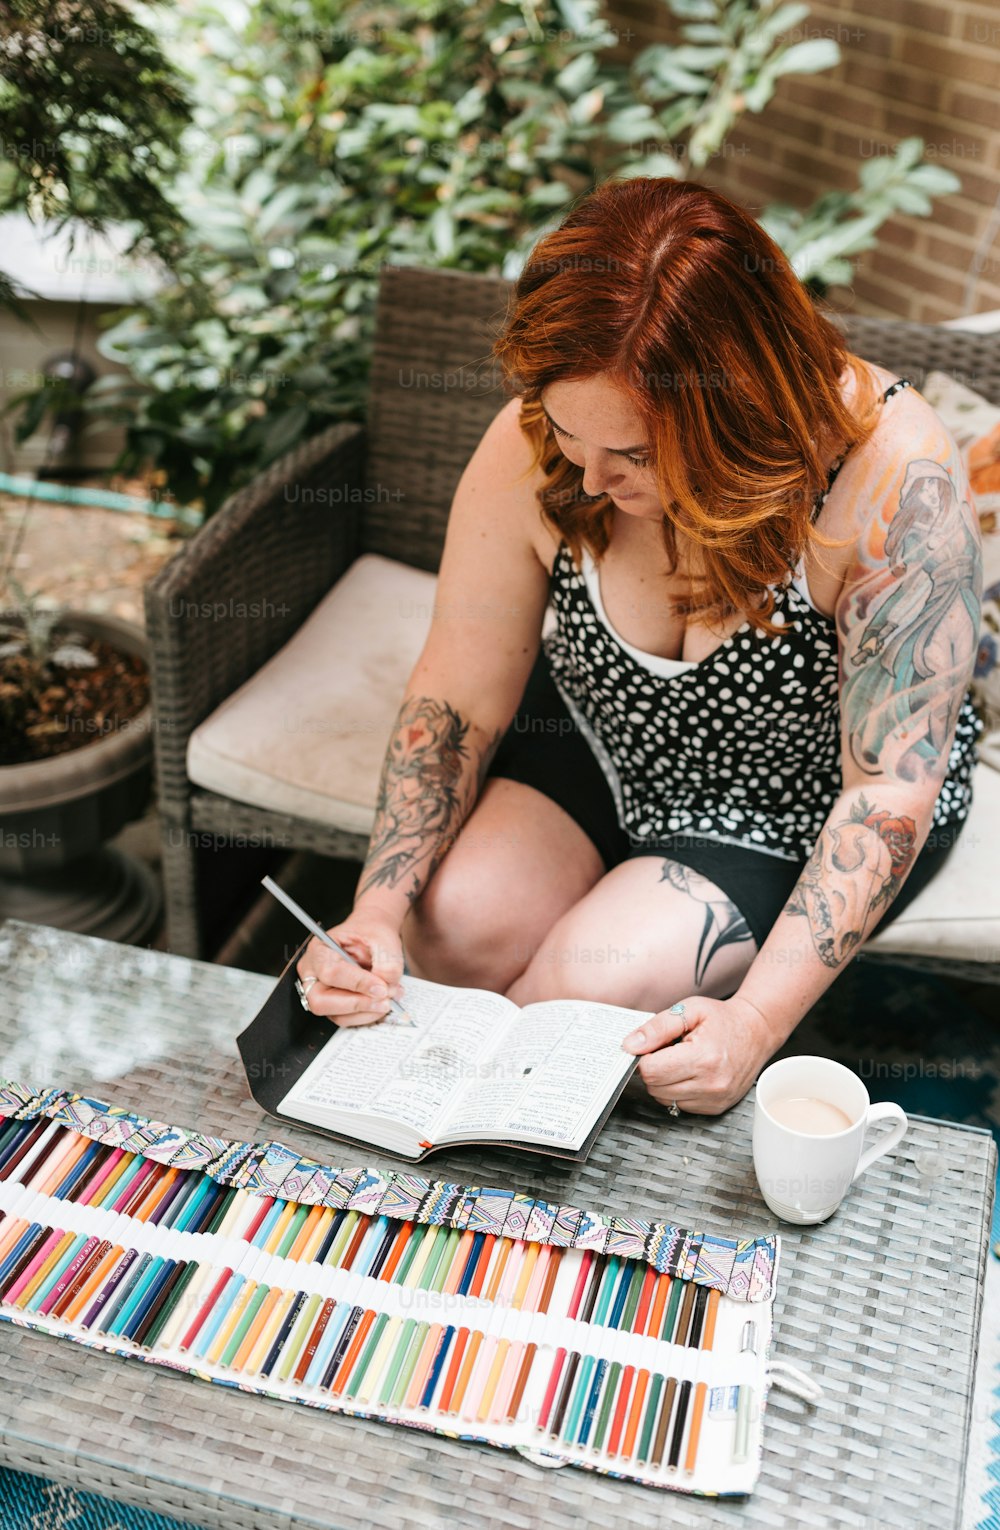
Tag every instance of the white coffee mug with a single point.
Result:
(804, 1176)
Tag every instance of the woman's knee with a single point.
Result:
(456, 932)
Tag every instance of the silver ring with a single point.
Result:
(673, 1109)
(303, 993)
(676, 1009)
(307, 983)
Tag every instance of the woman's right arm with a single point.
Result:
(463, 692)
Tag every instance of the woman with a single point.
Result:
(747, 740)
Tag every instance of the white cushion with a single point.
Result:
(957, 914)
(307, 734)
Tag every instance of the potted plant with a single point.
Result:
(75, 766)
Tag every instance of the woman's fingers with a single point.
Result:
(658, 1031)
(348, 991)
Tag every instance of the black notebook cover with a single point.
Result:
(283, 1039)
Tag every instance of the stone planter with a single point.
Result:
(55, 816)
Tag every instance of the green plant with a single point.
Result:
(337, 136)
(91, 115)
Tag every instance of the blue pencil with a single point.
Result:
(152, 1291)
(144, 1272)
(437, 1366)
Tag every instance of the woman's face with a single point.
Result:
(597, 428)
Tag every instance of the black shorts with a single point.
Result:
(544, 748)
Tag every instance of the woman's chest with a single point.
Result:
(641, 597)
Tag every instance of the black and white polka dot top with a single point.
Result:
(742, 747)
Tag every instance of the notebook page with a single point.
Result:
(550, 1075)
(404, 1073)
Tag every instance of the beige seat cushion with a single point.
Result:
(957, 915)
(307, 734)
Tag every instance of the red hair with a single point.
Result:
(680, 298)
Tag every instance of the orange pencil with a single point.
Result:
(391, 1265)
(64, 1160)
(701, 1390)
(490, 1389)
(635, 1413)
(501, 1263)
(459, 1260)
(645, 1297)
(305, 1232)
(618, 1422)
(524, 1279)
(451, 1379)
(96, 1280)
(353, 1351)
(159, 1191)
(484, 1263)
(659, 1303)
(699, 1408)
(12, 1231)
(471, 1352)
(420, 1372)
(319, 1232)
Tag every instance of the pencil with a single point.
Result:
(317, 929)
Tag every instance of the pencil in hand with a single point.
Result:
(395, 1008)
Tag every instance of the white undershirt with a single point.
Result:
(655, 662)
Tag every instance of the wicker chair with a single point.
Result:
(245, 583)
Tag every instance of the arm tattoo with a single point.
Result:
(909, 629)
(724, 924)
(855, 871)
(430, 780)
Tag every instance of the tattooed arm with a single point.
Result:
(433, 770)
(484, 636)
(908, 623)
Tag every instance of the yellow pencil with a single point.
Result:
(379, 1360)
(280, 1228)
(270, 1332)
(524, 1279)
(427, 1242)
(230, 1322)
(489, 1391)
(318, 1236)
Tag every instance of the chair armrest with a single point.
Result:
(914, 350)
(243, 584)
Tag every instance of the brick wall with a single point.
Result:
(907, 67)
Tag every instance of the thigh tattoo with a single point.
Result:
(723, 925)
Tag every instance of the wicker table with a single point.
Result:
(881, 1304)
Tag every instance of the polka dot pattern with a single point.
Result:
(744, 746)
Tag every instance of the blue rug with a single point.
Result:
(31, 1503)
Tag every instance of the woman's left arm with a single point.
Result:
(908, 626)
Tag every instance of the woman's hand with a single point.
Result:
(703, 1054)
(353, 995)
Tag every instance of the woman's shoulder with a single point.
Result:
(505, 457)
(907, 432)
(906, 425)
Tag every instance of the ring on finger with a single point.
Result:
(303, 992)
(673, 1109)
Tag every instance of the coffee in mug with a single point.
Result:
(807, 1113)
(810, 1118)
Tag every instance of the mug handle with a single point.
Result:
(887, 1112)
